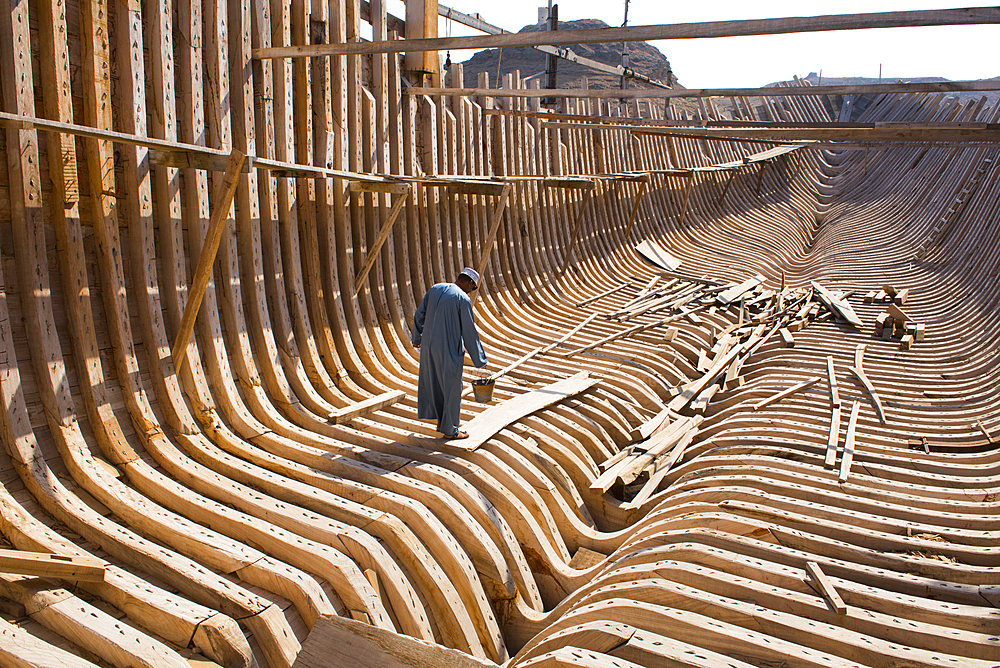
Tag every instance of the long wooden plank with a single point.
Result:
(891, 132)
(831, 374)
(822, 584)
(661, 471)
(786, 393)
(494, 377)
(659, 445)
(602, 295)
(695, 387)
(203, 271)
(964, 16)
(81, 569)
(187, 155)
(489, 422)
(565, 54)
(735, 292)
(849, 440)
(650, 426)
(619, 335)
(541, 350)
(658, 255)
(790, 91)
(370, 405)
(834, 437)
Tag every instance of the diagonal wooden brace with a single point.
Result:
(383, 234)
(575, 233)
(635, 208)
(687, 198)
(203, 271)
(494, 227)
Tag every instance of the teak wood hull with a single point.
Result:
(748, 473)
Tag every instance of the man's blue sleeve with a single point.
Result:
(470, 336)
(418, 322)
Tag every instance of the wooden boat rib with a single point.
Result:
(266, 485)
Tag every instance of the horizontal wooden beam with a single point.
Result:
(185, 159)
(392, 188)
(184, 156)
(43, 564)
(578, 184)
(777, 91)
(935, 17)
(472, 187)
(370, 405)
(878, 132)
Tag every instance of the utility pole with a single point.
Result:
(626, 64)
(553, 60)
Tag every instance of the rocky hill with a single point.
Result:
(645, 59)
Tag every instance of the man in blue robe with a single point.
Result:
(444, 324)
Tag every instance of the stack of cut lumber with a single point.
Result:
(895, 323)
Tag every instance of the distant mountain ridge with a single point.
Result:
(813, 78)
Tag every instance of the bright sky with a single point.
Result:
(953, 52)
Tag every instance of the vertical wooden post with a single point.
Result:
(227, 190)
(422, 21)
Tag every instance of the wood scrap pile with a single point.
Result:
(757, 314)
(895, 323)
(641, 467)
(888, 294)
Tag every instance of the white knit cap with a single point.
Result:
(471, 274)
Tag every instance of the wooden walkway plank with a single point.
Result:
(492, 420)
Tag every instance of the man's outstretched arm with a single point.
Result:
(471, 336)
